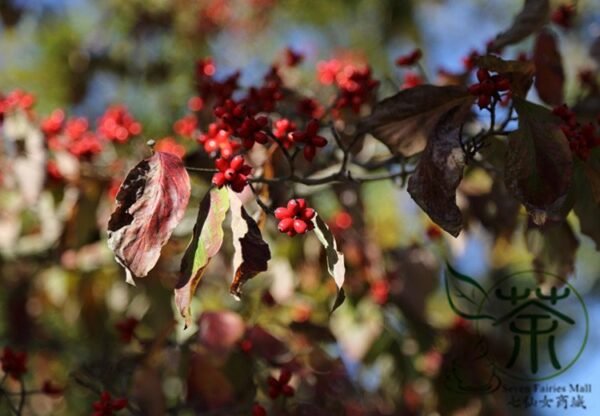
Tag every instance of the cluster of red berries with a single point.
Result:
(16, 99)
(106, 406)
(72, 135)
(14, 363)
(209, 88)
(409, 59)
(310, 139)
(295, 218)
(582, 138)
(470, 61)
(411, 80)
(236, 118)
(563, 15)
(280, 386)
(232, 172)
(489, 86)
(310, 107)
(265, 97)
(356, 90)
(117, 124)
(170, 145)
(282, 129)
(218, 139)
(186, 126)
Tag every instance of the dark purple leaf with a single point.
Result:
(405, 121)
(549, 73)
(531, 18)
(539, 163)
(440, 170)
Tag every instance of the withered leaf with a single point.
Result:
(587, 201)
(404, 121)
(519, 73)
(150, 203)
(539, 164)
(335, 259)
(440, 170)
(533, 15)
(206, 242)
(251, 251)
(549, 73)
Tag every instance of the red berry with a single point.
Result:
(258, 410)
(219, 179)
(308, 214)
(281, 213)
(300, 226)
(309, 152)
(229, 174)
(292, 207)
(236, 163)
(482, 74)
(285, 224)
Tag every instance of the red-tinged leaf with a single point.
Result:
(251, 251)
(539, 163)
(150, 203)
(531, 18)
(206, 242)
(439, 172)
(549, 73)
(220, 331)
(519, 73)
(587, 201)
(335, 259)
(553, 246)
(404, 121)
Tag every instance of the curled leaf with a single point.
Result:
(251, 251)
(335, 259)
(549, 73)
(206, 242)
(439, 172)
(533, 15)
(539, 162)
(150, 203)
(404, 121)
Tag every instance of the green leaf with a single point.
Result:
(465, 295)
(251, 251)
(335, 259)
(205, 244)
(539, 164)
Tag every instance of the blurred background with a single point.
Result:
(387, 350)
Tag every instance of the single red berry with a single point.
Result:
(300, 226)
(281, 213)
(258, 410)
